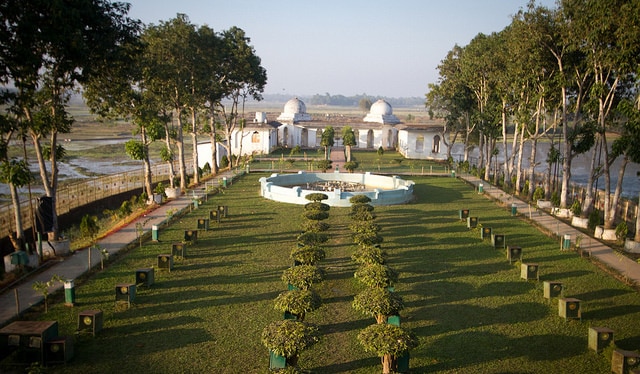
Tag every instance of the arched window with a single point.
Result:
(436, 144)
(419, 143)
(255, 137)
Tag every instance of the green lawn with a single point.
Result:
(464, 300)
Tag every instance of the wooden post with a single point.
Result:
(15, 291)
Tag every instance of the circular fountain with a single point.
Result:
(339, 187)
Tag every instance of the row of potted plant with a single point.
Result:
(287, 338)
(385, 338)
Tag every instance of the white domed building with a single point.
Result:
(294, 111)
(381, 112)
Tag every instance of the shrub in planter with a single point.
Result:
(538, 194)
(315, 226)
(316, 196)
(308, 254)
(378, 303)
(303, 276)
(576, 208)
(376, 275)
(364, 227)
(595, 219)
(324, 165)
(298, 302)
(555, 199)
(315, 215)
(351, 166)
(369, 254)
(388, 342)
(313, 238)
(621, 231)
(288, 338)
(367, 238)
(316, 205)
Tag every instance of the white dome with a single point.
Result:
(381, 108)
(295, 106)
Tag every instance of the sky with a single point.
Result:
(380, 48)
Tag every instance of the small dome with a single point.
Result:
(295, 106)
(382, 108)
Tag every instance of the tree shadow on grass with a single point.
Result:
(160, 324)
(611, 312)
(348, 367)
(472, 348)
(455, 317)
(604, 293)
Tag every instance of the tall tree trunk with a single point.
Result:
(19, 235)
(167, 140)
(636, 237)
(194, 141)
(180, 144)
(146, 164)
(587, 204)
(610, 218)
(518, 187)
(214, 143)
(532, 167)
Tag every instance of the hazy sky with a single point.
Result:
(375, 47)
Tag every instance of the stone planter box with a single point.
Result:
(632, 246)
(605, 234)
(544, 204)
(581, 222)
(157, 198)
(172, 193)
(562, 212)
(62, 248)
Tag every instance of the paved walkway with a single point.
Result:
(628, 268)
(77, 264)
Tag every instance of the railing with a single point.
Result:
(78, 194)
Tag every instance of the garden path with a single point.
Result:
(75, 265)
(626, 267)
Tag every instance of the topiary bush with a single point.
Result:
(303, 276)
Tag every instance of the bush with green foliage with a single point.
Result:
(316, 205)
(369, 254)
(351, 166)
(287, 338)
(595, 219)
(224, 162)
(388, 342)
(315, 226)
(308, 254)
(298, 302)
(303, 276)
(376, 275)
(316, 196)
(89, 227)
(622, 230)
(378, 303)
(324, 165)
(576, 207)
(313, 238)
(555, 198)
(538, 194)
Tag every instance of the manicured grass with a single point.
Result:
(468, 305)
